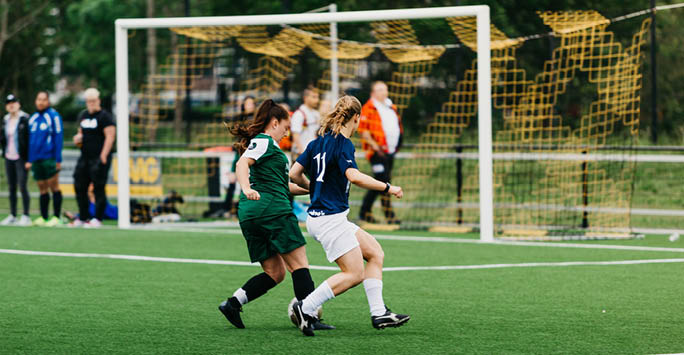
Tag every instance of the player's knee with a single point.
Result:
(379, 256)
(277, 275)
(356, 277)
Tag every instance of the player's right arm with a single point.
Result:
(242, 172)
(299, 167)
(362, 180)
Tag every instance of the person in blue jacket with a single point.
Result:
(46, 138)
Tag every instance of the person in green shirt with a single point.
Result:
(265, 213)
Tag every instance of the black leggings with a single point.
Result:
(382, 170)
(89, 171)
(16, 175)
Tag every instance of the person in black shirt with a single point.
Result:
(96, 133)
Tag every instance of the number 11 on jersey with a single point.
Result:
(320, 160)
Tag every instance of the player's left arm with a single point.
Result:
(362, 180)
(298, 190)
(297, 176)
(110, 135)
(347, 163)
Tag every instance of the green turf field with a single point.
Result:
(60, 304)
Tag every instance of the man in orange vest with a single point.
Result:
(381, 134)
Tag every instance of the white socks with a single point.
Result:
(241, 296)
(315, 299)
(373, 289)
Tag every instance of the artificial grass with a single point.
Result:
(82, 305)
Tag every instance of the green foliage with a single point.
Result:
(82, 39)
(26, 60)
(89, 32)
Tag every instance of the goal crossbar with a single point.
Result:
(481, 12)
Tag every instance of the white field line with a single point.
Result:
(469, 241)
(442, 240)
(528, 244)
(332, 268)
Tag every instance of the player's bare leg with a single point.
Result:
(381, 316)
(351, 266)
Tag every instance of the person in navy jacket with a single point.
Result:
(46, 138)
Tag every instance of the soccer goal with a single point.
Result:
(279, 50)
(488, 147)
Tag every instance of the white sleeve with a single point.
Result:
(257, 147)
(297, 122)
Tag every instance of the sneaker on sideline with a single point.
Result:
(8, 220)
(24, 221)
(93, 223)
(40, 222)
(54, 221)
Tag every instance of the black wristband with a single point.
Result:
(387, 187)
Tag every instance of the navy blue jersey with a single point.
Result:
(325, 161)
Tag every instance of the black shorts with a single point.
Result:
(91, 170)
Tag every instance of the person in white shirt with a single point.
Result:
(14, 145)
(305, 122)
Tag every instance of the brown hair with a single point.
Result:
(345, 108)
(248, 129)
(309, 91)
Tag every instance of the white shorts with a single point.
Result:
(335, 233)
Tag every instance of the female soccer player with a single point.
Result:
(329, 162)
(266, 219)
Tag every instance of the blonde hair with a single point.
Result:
(91, 93)
(345, 109)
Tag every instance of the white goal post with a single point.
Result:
(481, 12)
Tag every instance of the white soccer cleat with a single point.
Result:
(24, 221)
(8, 220)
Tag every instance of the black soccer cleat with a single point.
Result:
(304, 321)
(319, 325)
(232, 314)
(389, 320)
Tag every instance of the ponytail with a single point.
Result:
(248, 129)
(345, 109)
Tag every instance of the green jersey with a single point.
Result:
(270, 177)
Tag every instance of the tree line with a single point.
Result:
(71, 43)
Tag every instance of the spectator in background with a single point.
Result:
(95, 137)
(305, 122)
(46, 138)
(381, 133)
(247, 109)
(286, 143)
(324, 107)
(14, 137)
